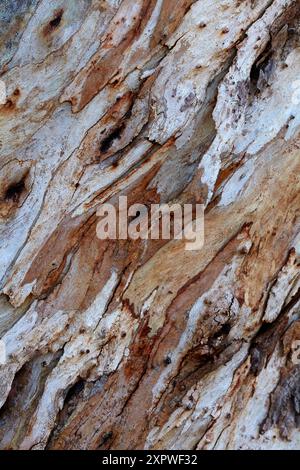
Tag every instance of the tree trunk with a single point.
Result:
(142, 344)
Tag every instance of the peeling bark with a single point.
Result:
(123, 344)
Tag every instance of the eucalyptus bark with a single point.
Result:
(123, 344)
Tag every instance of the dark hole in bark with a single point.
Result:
(74, 391)
(223, 331)
(261, 65)
(254, 74)
(108, 141)
(55, 22)
(15, 190)
(167, 361)
(108, 435)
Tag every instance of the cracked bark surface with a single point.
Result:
(125, 344)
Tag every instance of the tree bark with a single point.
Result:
(123, 344)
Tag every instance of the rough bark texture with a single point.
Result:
(142, 344)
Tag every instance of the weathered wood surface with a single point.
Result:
(122, 344)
